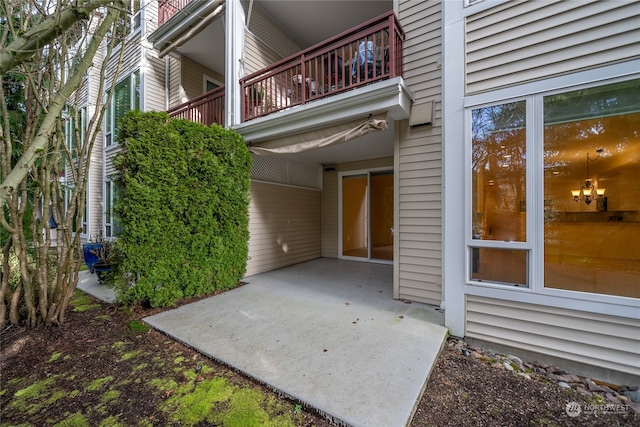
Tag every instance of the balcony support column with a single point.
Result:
(234, 70)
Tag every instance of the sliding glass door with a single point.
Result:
(367, 216)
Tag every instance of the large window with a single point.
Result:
(499, 214)
(126, 96)
(75, 126)
(592, 150)
(566, 214)
(111, 224)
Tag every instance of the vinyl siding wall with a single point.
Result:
(192, 75)
(609, 342)
(285, 224)
(330, 214)
(265, 43)
(520, 41)
(154, 82)
(419, 160)
(177, 94)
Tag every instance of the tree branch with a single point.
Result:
(47, 126)
(25, 45)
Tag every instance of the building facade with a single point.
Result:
(541, 228)
(445, 139)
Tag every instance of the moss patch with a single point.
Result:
(97, 383)
(73, 420)
(82, 302)
(55, 356)
(130, 355)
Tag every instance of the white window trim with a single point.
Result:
(84, 120)
(109, 195)
(472, 7)
(206, 79)
(537, 293)
(528, 244)
(110, 114)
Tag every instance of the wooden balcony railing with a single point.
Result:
(208, 108)
(360, 56)
(168, 8)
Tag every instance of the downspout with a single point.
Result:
(166, 83)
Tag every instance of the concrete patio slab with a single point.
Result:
(327, 333)
(90, 284)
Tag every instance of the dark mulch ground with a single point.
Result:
(105, 343)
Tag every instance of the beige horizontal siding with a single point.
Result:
(192, 74)
(110, 153)
(600, 340)
(150, 17)
(330, 215)
(285, 226)
(130, 61)
(270, 35)
(257, 54)
(382, 162)
(154, 83)
(523, 41)
(176, 92)
(419, 159)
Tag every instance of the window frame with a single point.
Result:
(69, 129)
(528, 244)
(206, 79)
(110, 196)
(537, 293)
(135, 103)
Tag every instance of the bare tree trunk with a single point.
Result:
(47, 278)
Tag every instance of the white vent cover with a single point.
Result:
(281, 170)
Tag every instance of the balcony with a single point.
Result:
(356, 58)
(363, 55)
(206, 109)
(168, 8)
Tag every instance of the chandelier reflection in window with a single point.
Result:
(588, 190)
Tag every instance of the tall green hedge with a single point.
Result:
(183, 204)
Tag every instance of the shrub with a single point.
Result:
(184, 198)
